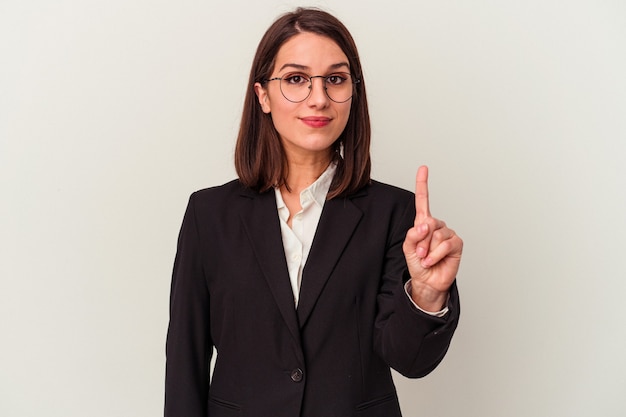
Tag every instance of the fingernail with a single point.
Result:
(426, 262)
(423, 228)
(421, 252)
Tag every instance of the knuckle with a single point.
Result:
(445, 246)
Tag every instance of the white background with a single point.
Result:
(113, 112)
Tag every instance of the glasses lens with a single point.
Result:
(339, 87)
(297, 87)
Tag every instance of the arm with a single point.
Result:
(189, 346)
(412, 341)
(432, 252)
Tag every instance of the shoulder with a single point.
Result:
(381, 200)
(231, 187)
(387, 210)
(379, 190)
(219, 196)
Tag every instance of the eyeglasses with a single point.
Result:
(297, 87)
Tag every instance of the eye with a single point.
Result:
(337, 79)
(296, 79)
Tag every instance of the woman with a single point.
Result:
(309, 279)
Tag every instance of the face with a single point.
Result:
(308, 128)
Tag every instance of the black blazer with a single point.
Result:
(331, 356)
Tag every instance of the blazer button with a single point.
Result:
(296, 375)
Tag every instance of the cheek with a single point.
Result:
(283, 120)
(275, 99)
(281, 115)
(278, 106)
(344, 114)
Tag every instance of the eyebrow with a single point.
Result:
(304, 67)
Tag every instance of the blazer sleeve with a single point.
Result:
(189, 346)
(409, 340)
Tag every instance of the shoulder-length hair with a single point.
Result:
(260, 159)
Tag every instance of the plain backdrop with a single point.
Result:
(113, 112)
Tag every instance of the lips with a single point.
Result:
(316, 121)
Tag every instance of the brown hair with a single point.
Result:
(260, 160)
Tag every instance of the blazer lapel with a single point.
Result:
(339, 218)
(261, 222)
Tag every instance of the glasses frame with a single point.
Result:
(324, 78)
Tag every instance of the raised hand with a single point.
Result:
(432, 251)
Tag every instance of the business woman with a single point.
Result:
(308, 278)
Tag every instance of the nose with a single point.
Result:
(317, 96)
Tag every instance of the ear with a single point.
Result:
(263, 97)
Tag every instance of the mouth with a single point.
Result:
(316, 121)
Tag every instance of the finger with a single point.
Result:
(414, 236)
(440, 234)
(428, 229)
(448, 248)
(422, 209)
(423, 246)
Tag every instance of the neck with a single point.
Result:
(303, 173)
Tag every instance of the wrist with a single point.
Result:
(427, 297)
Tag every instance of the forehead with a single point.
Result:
(310, 50)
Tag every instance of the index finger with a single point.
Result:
(422, 209)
